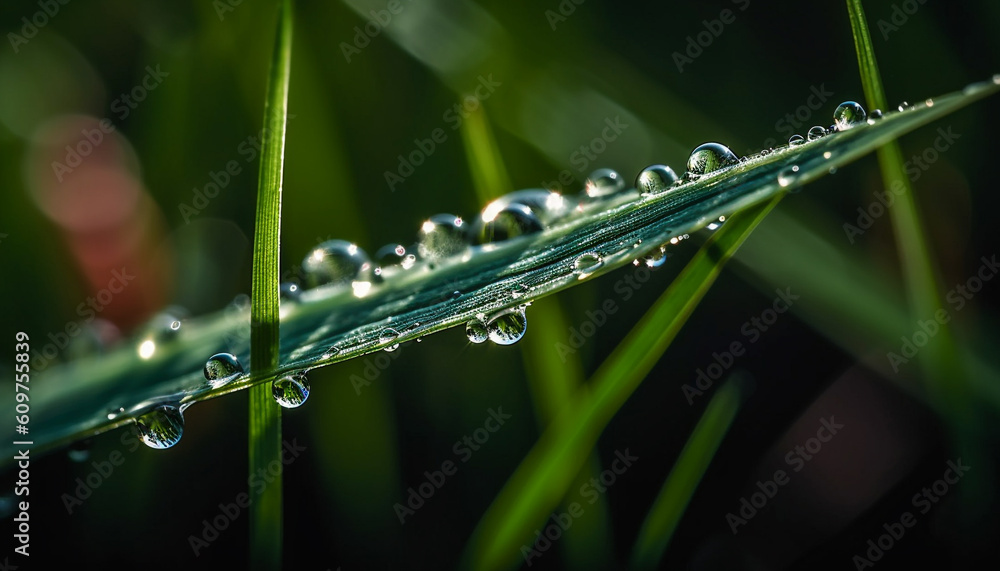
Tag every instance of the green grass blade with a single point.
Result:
(541, 480)
(670, 504)
(265, 414)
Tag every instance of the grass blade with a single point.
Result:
(541, 480)
(670, 504)
(265, 414)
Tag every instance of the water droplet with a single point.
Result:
(876, 114)
(508, 326)
(80, 451)
(996, 79)
(221, 368)
(655, 178)
(519, 290)
(657, 258)
(816, 132)
(546, 205)
(904, 106)
(161, 427)
(441, 236)
(929, 102)
(291, 391)
(587, 263)
(511, 221)
(115, 413)
(603, 183)
(788, 176)
(708, 158)
(335, 262)
(476, 331)
(389, 335)
(795, 140)
(290, 291)
(331, 352)
(715, 225)
(392, 257)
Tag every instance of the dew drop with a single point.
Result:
(657, 258)
(508, 326)
(290, 291)
(336, 262)
(849, 114)
(476, 331)
(161, 427)
(603, 183)
(708, 158)
(904, 106)
(393, 257)
(588, 263)
(221, 368)
(115, 412)
(929, 102)
(788, 176)
(816, 132)
(876, 114)
(795, 140)
(655, 178)
(291, 391)
(513, 220)
(546, 205)
(389, 335)
(441, 236)
(716, 224)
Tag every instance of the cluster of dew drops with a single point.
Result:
(337, 263)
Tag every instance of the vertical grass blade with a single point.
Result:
(541, 480)
(265, 414)
(670, 504)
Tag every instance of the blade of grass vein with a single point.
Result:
(540, 482)
(943, 369)
(551, 379)
(670, 504)
(265, 414)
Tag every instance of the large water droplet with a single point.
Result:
(161, 427)
(588, 263)
(849, 114)
(221, 368)
(816, 132)
(511, 221)
(655, 178)
(336, 262)
(546, 205)
(476, 331)
(708, 158)
(795, 140)
(388, 335)
(441, 236)
(392, 257)
(603, 183)
(508, 326)
(291, 391)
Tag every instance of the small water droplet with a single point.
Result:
(788, 176)
(655, 178)
(336, 262)
(904, 106)
(393, 257)
(161, 427)
(222, 368)
(291, 391)
(80, 451)
(816, 132)
(441, 236)
(876, 114)
(996, 79)
(519, 290)
(389, 335)
(115, 413)
(708, 158)
(715, 225)
(508, 326)
(511, 221)
(331, 352)
(603, 183)
(657, 258)
(476, 331)
(290, 291)
(588, 263)
(929, 102)
(796, 140)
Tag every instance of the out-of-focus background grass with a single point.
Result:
(555, 89)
